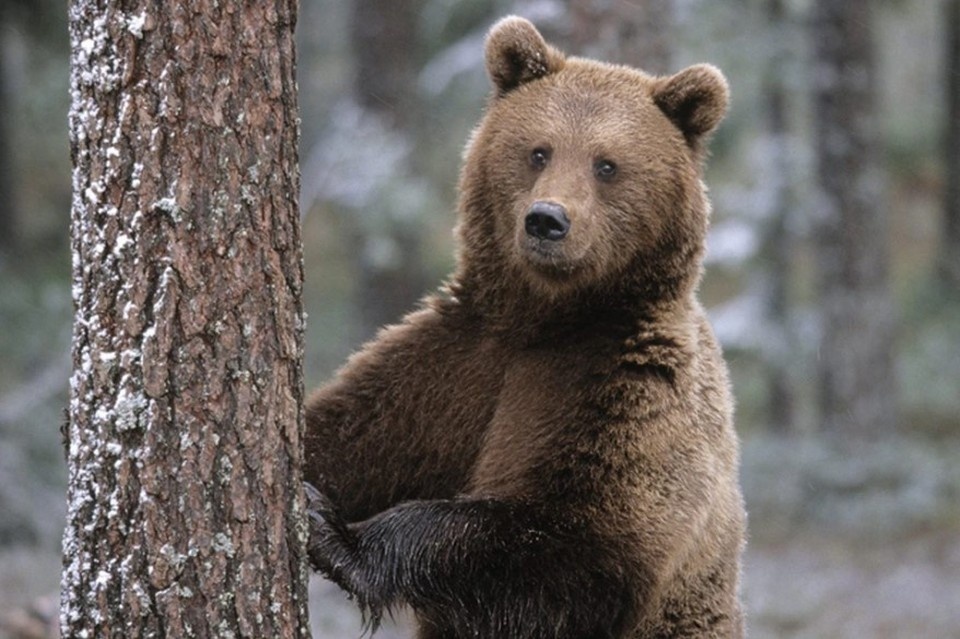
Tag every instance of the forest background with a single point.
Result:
(854, 497)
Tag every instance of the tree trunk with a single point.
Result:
(387, 246)
(857, 380)
(625, 31)
(776, 241)
(384, 45)
(8, 200)
(185, 509)
(950, 239)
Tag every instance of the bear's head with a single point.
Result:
(583, 179)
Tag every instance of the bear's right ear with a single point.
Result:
(516, 53)
(695, 99)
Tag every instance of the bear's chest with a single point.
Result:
(545, 428)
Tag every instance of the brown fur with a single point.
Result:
(546, 448)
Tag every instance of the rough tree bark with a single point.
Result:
(387, 246)
(857, 379)
(624, 31)
(185, 512)
(950, 238)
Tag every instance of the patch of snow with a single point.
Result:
(169, 206)
(135, 24)
(129, 309)
(128, 407)
(123, 241)
(223, 543)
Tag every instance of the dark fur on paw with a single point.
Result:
(331, 543)
(323, 513)
(333, 552)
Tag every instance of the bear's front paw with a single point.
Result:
(332, 545)
(322, 510)
(333, 552)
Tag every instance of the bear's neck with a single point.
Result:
(507, 304)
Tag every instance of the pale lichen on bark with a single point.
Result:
(184, 509)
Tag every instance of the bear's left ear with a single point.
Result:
(516, 53)
(695, 99)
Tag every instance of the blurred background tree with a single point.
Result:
(639, 34)
(8, 202)
(857, 345)
(386, 230)
(950, 246)
(33, 53)
(809, 294)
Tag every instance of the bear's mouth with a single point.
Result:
(549, 257)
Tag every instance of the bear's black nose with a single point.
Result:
(547, 221)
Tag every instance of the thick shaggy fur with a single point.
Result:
(545, 449)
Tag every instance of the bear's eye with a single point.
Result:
(604, 169)
(539, 158)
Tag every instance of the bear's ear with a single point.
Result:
(516, 53)
(695, 99)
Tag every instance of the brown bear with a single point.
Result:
(546, 449)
